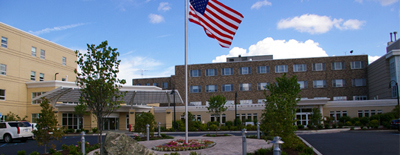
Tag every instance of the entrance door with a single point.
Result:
(303, 118)
(111, 124)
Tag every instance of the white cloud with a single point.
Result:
(371, 59)
(280, 49)
(155, 19)
(315, 24)
(260, 4)
(164, 6)
(382, 2)
(59, 28)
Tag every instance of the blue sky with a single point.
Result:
(149, 34)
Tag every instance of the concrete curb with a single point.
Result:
(309, 145)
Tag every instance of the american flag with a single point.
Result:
(219, 21)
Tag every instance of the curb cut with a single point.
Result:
(309, 145)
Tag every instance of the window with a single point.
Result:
(244, 70)
(337, 65)
(246, 101)
(33, 75)
(344, 113)
(147, 84)
(138, 84)
(211, 88)
(281, 68)
(4, 42)
(196, 103)
(227, 87)
(320, 97)
(183, 118)
(318, 66)
(41, 77)
(359, 97)
(198, 118)
(357, 64)
(249, 117)
(255, 117)
(366, 113)
(379, 111)
(211, 72)
(3, 69)
(155, 84)
(33, 51)
(319, 83)
(34, 118)
(230, 102)
(243, 118)
(195, 73)
(262, 69)
(195, 89)
(262, 86)
(165, 85)
(42, 54)
(223, 118)
(359, 82)
(332, 113)
(340, 98)
(261, 101)
(227, 71)
(394, 92)
(303, 84)
(337, 115)
(245, 86)
(35, 94)
(373, 112)
(64, 61)
(70, 121)
(2, 94)
(299, 67)
(338, 83)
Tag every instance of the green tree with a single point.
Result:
(142, 119)
(316, 116)
(13, 117)
(98, 81)
(216, 105)
(79, 111)
(47, 125)
(280, 108)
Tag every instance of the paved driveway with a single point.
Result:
(356, 142)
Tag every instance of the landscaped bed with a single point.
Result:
(180, 145)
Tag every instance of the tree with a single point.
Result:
(216, 105)
(316, 116)
(280, 108)
(142, 119)
(98, 81)
(80, 110)
(47, 125)
(13, 117)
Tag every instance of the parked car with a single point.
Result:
(12, 130)
(395, 124)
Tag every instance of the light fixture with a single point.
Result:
(168, 112)
(131, 112)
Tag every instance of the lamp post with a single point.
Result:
(173, 92)
(397, 90)
(235, 108)
(55, 76)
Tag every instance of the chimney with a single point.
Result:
(391, 39)
(395, 38)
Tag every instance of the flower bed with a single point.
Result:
(180, 145)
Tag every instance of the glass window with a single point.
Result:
(223, 118)
(195, 73)
(196, 103)
(344, 113)
(4, 42)
(245, 86)
(244, 70)
(195, 89)
(340, 98)
(211, 72)
(147, 84)
(198, 118)
(337, 115)
(261, 101)
(34, 118)
(262, 86)
(262, 69)
(255, 117)
(227, 87)
(337, 65)
(3, 69)
(165, 85)
(35, 94)
(33, 51)
(357, 64)
(2, 94)
(379, 111)
(211, 88)
(249, 116)
(373, 112)
(281, 68)
(359, 82)
(42, 54)
(41, 77)
(366, 113)
(243, 118)
(299, 67)
(64, 61)
(70, 121)
(319, 83)
(33, 75)
(338, 83)
(318, 66)
(212, 117)
(227, 71)
(246, 101)
(332, 113)
(359, 97)
(303, 84)
(230, 102)
(155, 84)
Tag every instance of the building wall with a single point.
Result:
(151, 81)
(17, 56)
(378, 79)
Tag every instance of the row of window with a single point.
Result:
(279, 68)
(250, 117)
(33, 76)
(361, 113)
(262, 85)
(3, 69)
(164, 85)
(4, 42)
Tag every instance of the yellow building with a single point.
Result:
(28, 58)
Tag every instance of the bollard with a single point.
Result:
(159, 129)
(83, 142)
(258, 130)
(147, 129)
(244, 145)
(277, 141)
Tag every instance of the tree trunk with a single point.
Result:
(100, 127)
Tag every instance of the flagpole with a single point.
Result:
(186, 77)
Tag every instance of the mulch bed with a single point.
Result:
(288, 151)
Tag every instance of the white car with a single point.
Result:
(15, 130)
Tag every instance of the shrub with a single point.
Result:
(248, 127)
(354, 120)
(203, 127)
(327, 126)
(22, 152)
(211, 123)
(320, 126)
(364, 121)
(299, 147)
(374, 123)
(309, 126)
(333, 126)
(358, 123)
(348, 123)
(174, 153)
(57, 153)
(300, 126)
(64, 147)
(238, 122)
(213, 127)
(340, 124)
(234, 128)
(308, 150)
(224, 128)
(193, 153)
(51, 151)
(34, 153)
(352, 128)
(228, 123)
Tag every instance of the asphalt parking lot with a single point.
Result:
(356, 142)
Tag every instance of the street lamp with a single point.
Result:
(173, 92)
(397, 90)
